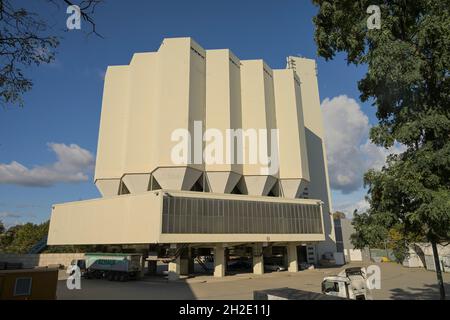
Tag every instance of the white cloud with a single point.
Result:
(349, 151)
(378, 155)
(8, 214)
(73, 164)
(348, 208)
(12, 218)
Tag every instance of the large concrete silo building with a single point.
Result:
(150, 198)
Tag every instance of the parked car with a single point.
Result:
(274, 266)
(239, 265)
(327, 260)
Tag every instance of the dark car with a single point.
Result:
(239, 265)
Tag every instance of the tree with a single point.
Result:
(407, 80)
(368, 231)
(21, 238)
(25, 40)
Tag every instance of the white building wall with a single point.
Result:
(223, 112)
(258, 113)
(180, 84)
(112, 139)
(293, 158)
(319, 187)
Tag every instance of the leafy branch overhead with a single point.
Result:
(27, 40)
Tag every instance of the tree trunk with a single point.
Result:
(437, 265)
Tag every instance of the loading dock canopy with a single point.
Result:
(166, 216)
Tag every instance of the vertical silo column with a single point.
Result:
(141, 146)
(258, 113)
(318, 187)
(181, 103)
(293, 158)
(112, 137)
(223, 113)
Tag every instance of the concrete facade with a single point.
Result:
(344, 229)
(42, 259)
(150, 198)
(138, 219)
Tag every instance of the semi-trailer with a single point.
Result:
(111, 266)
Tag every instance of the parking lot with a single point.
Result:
(397, 282)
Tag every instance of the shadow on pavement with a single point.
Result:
(428, 292)
(149, 288)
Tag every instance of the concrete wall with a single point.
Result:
(40, 260)
(180, 84)
(319, 186)
(131, 219)
(139, 156)
(343, 230)
(421, 255)
(112, 132)
(258, 113)
(137, 219)
(159, 92)
(292, 152)
(223, 112)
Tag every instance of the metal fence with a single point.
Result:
(210, 216)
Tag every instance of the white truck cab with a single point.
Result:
(349, 284)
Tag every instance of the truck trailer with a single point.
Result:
(111, 266)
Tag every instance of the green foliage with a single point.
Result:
(75, 249)
(20, 238)
(398, 241)
(407, 80)
(2, 228)
(368, 231)
(411, 192)
(25, 41)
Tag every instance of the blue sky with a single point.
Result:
(61, 112)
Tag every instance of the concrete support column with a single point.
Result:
(184, 266)
(227, 256)
(191, 261)
(141, 275)
(152, 258)
(286, 257)
(174, 270)
(151, 267)
(258, 259)
(219, 261)
(292, 257)
(184, 261)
